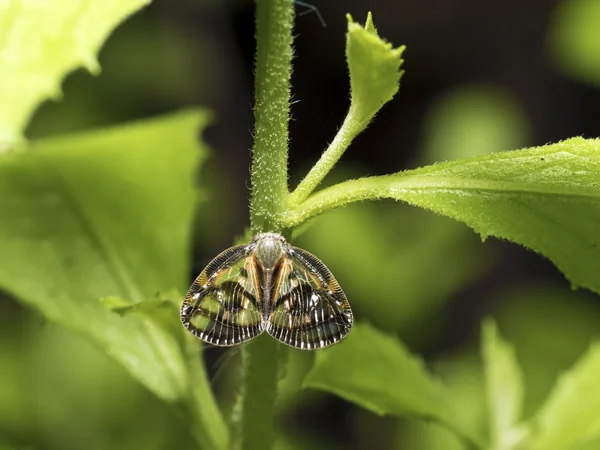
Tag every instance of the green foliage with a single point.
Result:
(544, 353)
(97, 226)
(50, 372)
(567, 419)
(570, 415)
(162, 310)
(81, 222)
(504, 389)
(462, 375)
(545, 198)
(73, 237)
(374, 67)
(41, 42)
(378, 373)
(412, 246)
(374, 70)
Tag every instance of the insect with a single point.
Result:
(267, 285)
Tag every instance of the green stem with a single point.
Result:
(264, 360)
(264, 356)
(371, 188)
(201, 409)
(351, 127)
(274, 21)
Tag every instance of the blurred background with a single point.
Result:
(480, 77)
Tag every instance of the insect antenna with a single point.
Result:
(309, 9)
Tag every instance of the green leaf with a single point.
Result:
(574, 39)
(98, 214)
(543, 353)
(374, 70)
(43, 41)
(504, 389)
(545, 198)
(162, 309)
(108, 214)
(378, 373)
(463, 378)
(570, 415)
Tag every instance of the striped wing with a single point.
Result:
(309, 309)
(223, 304)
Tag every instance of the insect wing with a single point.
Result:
(309, 308)
(223, 304)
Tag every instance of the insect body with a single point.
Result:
(267, 285)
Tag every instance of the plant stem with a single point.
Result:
(370, 188)
(263, 362)
(274, 21)
(346, 134)
(263, 357)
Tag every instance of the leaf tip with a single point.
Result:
(489, 329)
(117, 305)
(54, 92)
(369, 25)
(398, 52)
(90, 62)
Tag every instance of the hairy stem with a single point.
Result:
(264, 357)
(274, 21)
(371, 188)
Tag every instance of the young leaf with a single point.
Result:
(41, 42)
(504, 389)
(378, 373)
(107, 213)
(570, 415)
(374, 79)
(374, 70)
(545, 198)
